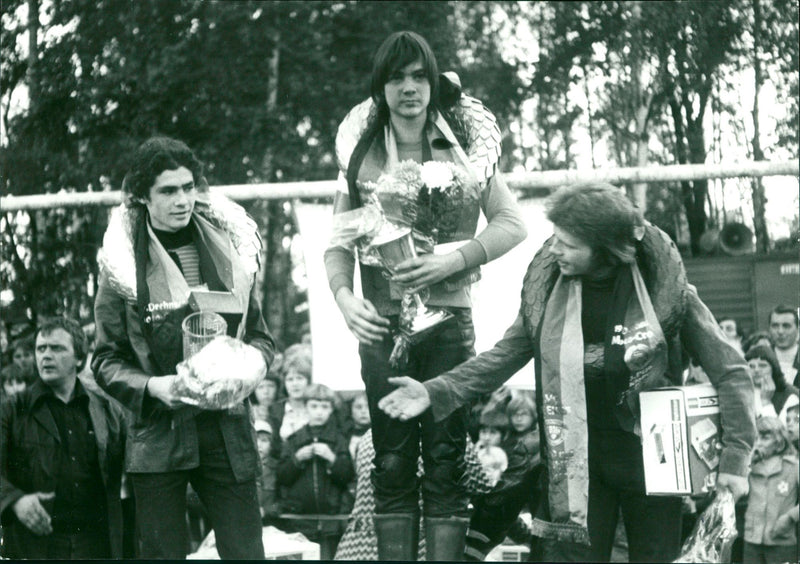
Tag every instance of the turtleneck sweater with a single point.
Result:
(181, 247)
(597, 301)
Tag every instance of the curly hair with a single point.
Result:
(80, 344)
(153, 157)
(600, 215)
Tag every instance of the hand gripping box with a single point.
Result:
(680, 439)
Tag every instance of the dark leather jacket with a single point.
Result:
(29, 446)
(161, 439)
(688, 325)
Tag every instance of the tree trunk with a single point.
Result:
(645, 99)
(697, 155)
(566, 132)
(33, 52)
(690, 147)
(589, 114)
(277, 259)
(277, 275)
(642, 151)
(759, 197)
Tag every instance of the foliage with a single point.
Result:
(110, 73)
(259, 88)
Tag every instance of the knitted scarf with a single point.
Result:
(635, 354)
(141, 271)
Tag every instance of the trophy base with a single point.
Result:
(425, 321)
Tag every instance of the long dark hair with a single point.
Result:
(397, 51)
(766, 354)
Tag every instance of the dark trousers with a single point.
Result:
(23, 544)
(232, 506)
(397, 443)
(769, 554)
(494, 514)
(616, 481)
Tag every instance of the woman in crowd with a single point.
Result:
(606, 313)
(265, 395)
(287, 415)
(774, 392)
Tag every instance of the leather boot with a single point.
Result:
(398, 536)
(445, 538)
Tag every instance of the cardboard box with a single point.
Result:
(680, 439)
(219, 302)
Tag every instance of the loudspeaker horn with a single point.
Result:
(736, 239)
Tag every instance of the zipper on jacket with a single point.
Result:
(315, 477)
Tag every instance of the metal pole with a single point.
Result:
(521, 181)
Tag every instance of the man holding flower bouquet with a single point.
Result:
(418, 163)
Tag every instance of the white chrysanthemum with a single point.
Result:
(436, 175)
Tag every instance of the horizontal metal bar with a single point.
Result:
(522, 181)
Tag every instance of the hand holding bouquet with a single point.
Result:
(220, 375)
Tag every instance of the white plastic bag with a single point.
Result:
(713, 535)
(220, 375)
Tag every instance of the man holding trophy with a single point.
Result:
(178, 266)
(418, 164)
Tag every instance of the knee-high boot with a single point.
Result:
(445, 538)
(398, 536)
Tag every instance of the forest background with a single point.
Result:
(259, 88)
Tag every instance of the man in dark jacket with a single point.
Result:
(62, 457)
(606, 312)
(173, 240)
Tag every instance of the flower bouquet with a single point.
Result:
(420, 206)
(430, 198)
(222, 374)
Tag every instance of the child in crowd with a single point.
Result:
(267, 496)
(13, 383)
(491, 433)
(771, 520)
(315, 469)
(21, 372)
(495, 515)
(265, 395)
(792, 423)
(522, 442)
(493, 426)
(359, 421)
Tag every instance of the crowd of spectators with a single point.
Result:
(315, 452)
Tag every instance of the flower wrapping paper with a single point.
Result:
(221, 375)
